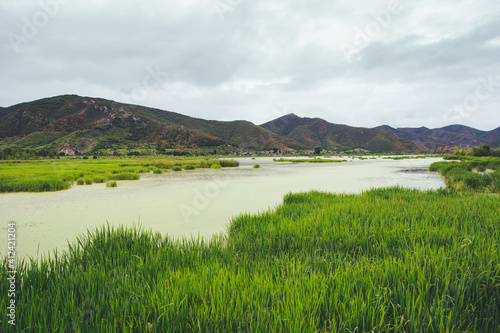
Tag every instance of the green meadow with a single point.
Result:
(386, 260)
(56, 175)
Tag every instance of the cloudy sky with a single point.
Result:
(362, 63)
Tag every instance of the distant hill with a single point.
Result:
(454, 135)
(90, 123)
(318, 132)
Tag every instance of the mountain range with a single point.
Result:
(453, 135)
(89, 124)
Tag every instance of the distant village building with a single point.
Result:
(68, 150)
(445, 149)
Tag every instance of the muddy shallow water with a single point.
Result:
(199, 202)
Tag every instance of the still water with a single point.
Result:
(199, 202)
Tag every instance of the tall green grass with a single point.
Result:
(229, 163)
(469, 174)
(388, 260)
(40, 176)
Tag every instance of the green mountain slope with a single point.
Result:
(91, 123)
(318, 132)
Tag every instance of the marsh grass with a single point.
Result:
(387, 260)
(111, 184)
(229, 163)
(55, 175)
(463, 175)
(157, 171)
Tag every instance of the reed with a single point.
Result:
(469, 174)
(229, 163)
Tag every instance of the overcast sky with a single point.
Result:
(362, 63)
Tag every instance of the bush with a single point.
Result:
(256, 166)
(484, 150)
(111, 184)
(176, 168)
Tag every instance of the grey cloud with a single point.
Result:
(242, 63)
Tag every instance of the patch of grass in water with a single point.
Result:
(229, 163)
(125, 176)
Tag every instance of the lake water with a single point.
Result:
(199, 202)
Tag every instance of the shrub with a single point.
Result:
(256, 166)
(111, 184)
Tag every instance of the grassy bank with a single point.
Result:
(388, 260)
(476, 174)
(55, 175)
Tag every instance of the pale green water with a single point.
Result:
(199, 202)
